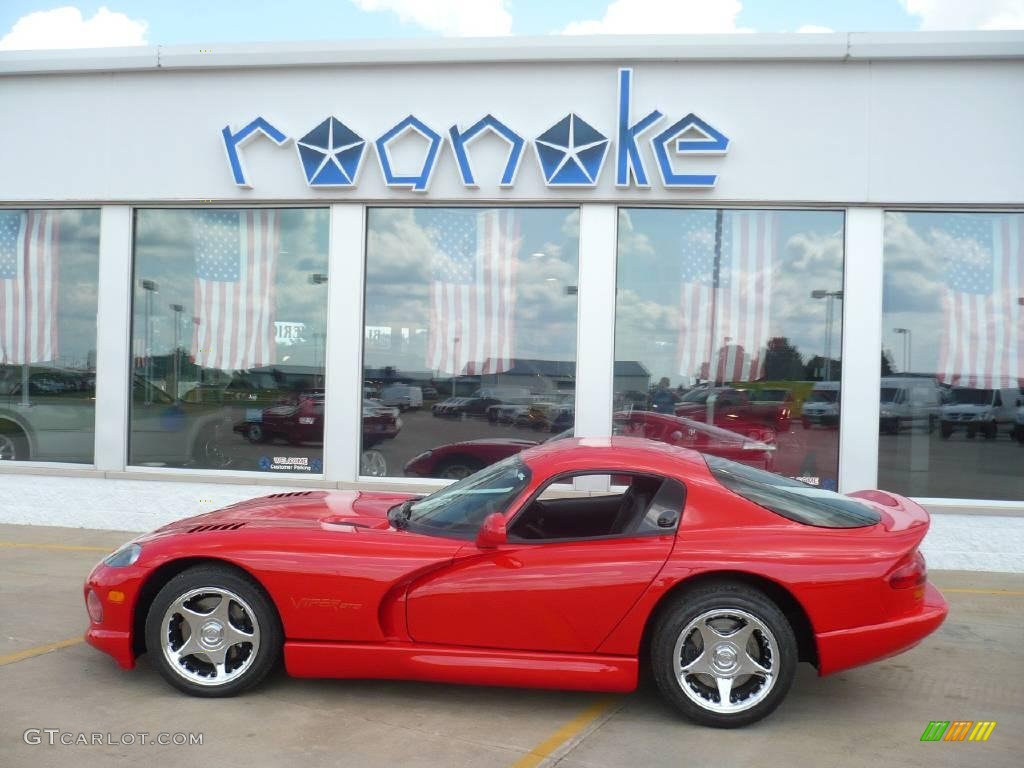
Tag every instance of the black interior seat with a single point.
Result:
(635, 502)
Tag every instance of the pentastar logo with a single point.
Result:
(570, 153)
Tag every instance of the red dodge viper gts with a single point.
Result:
(719, 575)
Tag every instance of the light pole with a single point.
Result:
(907, 346)
(320, 353)
(177, 309)
(829, 297)
(150, 287)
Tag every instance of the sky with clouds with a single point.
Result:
(35, 24)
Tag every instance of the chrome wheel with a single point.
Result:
(373, 464)
(726, 661)
(8, 448)
(210, 636)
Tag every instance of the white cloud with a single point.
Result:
(626, 17)
(812, 28)
(66, 28)
(967, 14)
(471, 18)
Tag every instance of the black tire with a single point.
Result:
(13, 443)
(724, 596)
(255, 433)
(458, 467)
(989, 431)
(207, 450)
(215, 576)
(946, 431)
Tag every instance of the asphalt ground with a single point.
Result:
(971, 669)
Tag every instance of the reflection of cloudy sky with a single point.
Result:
(164, 252)
(399, 263)
(918, 248)
(649, 282)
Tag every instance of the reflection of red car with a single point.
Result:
(676, 430)
(457, 460)
(716, 576)
(733, 410)
(300, 421)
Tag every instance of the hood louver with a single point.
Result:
(289, 495)
(216, 527)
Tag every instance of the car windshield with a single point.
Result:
(972, 396)
(889, 394)
(792, 499)
(461, 508)
(769, 395)
(823, 396)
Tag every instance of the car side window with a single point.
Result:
(637, 505)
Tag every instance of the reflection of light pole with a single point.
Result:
(150, 287)
(455, 362)
(907, 336)
(829, 296)
(177, 309)
(320, 354)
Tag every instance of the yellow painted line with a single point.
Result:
(1006, 592)
(571, 729)
(38, 651)
(56, 547)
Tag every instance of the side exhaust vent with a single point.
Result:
(216, 527)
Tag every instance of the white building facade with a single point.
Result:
(352, 266)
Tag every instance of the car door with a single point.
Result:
(563, 595)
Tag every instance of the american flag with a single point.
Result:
(28, 286)
(236, 264)
(472, 293)
(983, 335)
(724, 318)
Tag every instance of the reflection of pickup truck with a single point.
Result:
(734, 410)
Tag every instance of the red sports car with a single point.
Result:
(721, 575)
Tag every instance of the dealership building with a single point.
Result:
(231, 270)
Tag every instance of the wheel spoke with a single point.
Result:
(724, 690)
(188, 648)
(222, 612)
(217, 658)
(742, 635)
(698, 666)
(191, 615)
(751, 666)
(233, 635)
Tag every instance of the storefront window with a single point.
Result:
(728, 332)
(49, 263)
(470, 336)
(228, 337)
(952, 407)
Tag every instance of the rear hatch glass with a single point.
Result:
(792, 499)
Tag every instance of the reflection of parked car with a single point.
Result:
(908, 402)
(458, 460)
(677, 430)
(822, 405)
(1018, 426)
(402, 397)
(468, 406)
(980, 410)
(379, 423)
(53, 421)
(506, 413)
(732, 409)
(300, 421)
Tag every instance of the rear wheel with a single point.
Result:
(13, 445)
(458, 467)
(373, 463)
(724, 655)
(255, 433)
(946, 430)
(212, 631)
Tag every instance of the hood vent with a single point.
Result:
(216, 527)
(289, 495)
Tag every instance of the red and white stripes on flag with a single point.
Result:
(725, 301)
(982, 343)
(472, 291)
(28, 286)
(236, 266)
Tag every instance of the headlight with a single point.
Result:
(887, 414)
(125, 556)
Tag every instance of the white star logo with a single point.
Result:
(330, 153)
(571, 151)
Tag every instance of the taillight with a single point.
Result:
(912, 573)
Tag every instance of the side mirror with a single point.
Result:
(492, 533)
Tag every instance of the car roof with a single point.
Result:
(614, 453)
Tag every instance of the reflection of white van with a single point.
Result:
(908, 402)
(980, 410)
(402, 397)
(821, 405)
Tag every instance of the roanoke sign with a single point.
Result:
(571, 153)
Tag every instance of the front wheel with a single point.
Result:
(211, 631)
(724, 655)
